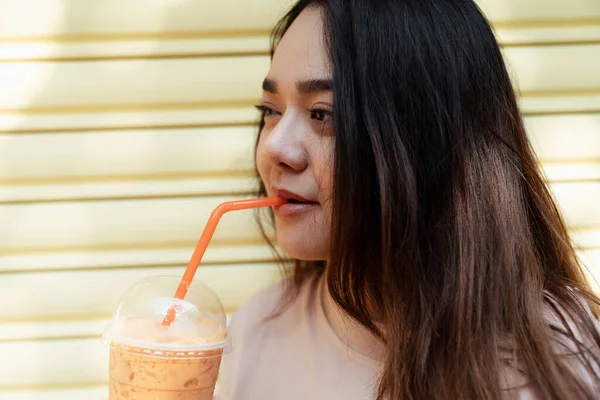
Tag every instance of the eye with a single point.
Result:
(265, 110)
(320, 115)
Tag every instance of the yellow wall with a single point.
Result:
(123, 123)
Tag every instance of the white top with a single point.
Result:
(311, 351)
(298, 355)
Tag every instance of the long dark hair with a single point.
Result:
(458, 248)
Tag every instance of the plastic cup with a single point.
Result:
(151, 361)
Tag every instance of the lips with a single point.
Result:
(292, 197)
(295, 204)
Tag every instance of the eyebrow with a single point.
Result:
(308, 86)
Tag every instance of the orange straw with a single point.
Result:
(207, 234)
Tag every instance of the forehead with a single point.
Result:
(301, 52)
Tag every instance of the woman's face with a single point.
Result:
(295, 150)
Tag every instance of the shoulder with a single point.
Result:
(258, 331)
(269, 310)
(571, 325)
(571, 330)
(247, 336)
(256, 309)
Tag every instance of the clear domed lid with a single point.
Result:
(200, 322)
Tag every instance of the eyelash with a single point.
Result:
(264, 110)
(268, 111)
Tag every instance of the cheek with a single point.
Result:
(323, 159)
(261, 160)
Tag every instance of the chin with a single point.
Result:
(302, 245)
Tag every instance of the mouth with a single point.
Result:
(293, 198)
(294, 205)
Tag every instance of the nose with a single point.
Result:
(284, 145)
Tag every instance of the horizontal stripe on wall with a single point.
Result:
(89, 392)
(555, 68)
(74, 19)
(122, 223)
(113, 18)
(145, 48)
(149, 152)
(81, 85)
(215, 151)
(174, 185)
(89, 224)
(89, 293)
(140, 188)
(173, 254)
(245, 44)
(176, 116)
(578, 171)
(549, 34)
(565, 137)
(179, 115)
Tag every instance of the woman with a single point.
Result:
(431, 261)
